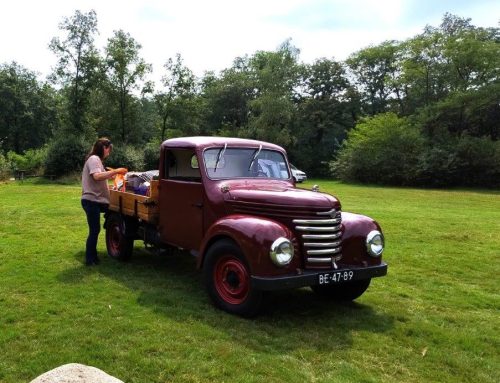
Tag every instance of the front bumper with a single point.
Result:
(311, 277)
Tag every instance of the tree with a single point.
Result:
(124, 69)
(77, 69)
(227, 98)
(276, 76)
(376, 70)
(422, 72)
(452, 73)
(325, 112)
(28, 109)
(177, 95)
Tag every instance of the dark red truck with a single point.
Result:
(233, 203)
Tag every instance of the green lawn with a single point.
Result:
(434, 317)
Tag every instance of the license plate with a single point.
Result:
(335, 277)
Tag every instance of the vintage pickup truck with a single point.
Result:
(233, 204)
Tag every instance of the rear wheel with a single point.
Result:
(119, 238)
(348, 291)
(227, 279)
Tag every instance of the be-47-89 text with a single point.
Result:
(335, 277)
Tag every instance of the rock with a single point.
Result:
(75, 373)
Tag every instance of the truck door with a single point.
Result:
(181, 200)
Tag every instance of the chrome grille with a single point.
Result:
(318, 231)
(321, 238)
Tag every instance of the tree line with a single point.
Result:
(424, 111)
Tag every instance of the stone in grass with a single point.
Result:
(75, 373)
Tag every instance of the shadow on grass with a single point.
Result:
(291, 319)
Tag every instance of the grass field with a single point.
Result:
(433, 318)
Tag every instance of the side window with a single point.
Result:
(182, 165)
(194, 162)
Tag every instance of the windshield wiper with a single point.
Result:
(257, 152)
(219, 155)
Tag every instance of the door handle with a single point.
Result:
(198, 205)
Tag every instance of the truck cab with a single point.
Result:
(233, 203)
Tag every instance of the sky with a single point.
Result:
(210, 34)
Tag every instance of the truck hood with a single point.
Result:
(277, 193)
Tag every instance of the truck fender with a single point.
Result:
(253, 235)
(355, 229)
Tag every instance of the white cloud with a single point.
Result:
(210, 34)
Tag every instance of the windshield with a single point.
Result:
(245, 163)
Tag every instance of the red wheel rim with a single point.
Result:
(114, 239)
(231, 280)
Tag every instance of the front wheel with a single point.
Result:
(348, 291)
(227, 279)
(119, 242)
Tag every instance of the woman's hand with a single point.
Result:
(110, 173)
(120, 170)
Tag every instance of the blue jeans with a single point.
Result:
(93, 211)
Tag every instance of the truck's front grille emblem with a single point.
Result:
(321, 238)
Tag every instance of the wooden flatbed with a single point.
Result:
(136, 205)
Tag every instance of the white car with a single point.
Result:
(298, 175)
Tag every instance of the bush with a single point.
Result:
(383, 149)
(66, 155)
(386, 149)
(152, 155)
(127, 157)
(461, 161)
(32, 161)
(438, 166)
(16, 161)
(35, 160)
(478, 161)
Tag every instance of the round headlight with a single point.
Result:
(281, 252)
(375, 243)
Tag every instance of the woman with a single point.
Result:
(95, 193)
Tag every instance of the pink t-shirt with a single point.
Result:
(93, 190)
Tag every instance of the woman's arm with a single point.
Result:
(108, 174)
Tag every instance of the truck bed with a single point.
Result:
(136, 205)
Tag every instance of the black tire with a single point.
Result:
(227, 279)
(345, 292)
(119, 237)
